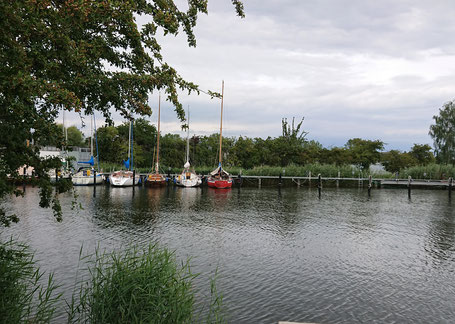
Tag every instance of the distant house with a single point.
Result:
(75, 154)
(377, 168)
(79, 154)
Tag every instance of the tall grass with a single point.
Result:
(431, 171)
(24, 298)
(326, 170)
(140, 286)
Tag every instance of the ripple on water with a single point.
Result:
(281, 255)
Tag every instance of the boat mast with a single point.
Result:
(221, 123)
(96, 144)
(188, 138)
(91, 135)
(158, 139)
(65, 134)
(129, 144)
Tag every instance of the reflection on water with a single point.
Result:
(281, 254)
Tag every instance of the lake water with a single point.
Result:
(281, 254)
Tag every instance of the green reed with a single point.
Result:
(25, 296)
(326, 170)
(140, 285)
(431, 171)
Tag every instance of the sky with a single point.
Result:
(354, 68)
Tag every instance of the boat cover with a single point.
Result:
(91, 161)
(220, 171)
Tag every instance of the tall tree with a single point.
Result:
(75, 136)
(364, 152)
(83, 56)
(422, 154)
(289, 146)
(443, 133)
(395, 160)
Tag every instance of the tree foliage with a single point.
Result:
(422, 154)
(75, 136)
(364, 152)
(83, 56)
(395, 160)
(443, 133)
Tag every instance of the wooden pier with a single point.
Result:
(317, 181)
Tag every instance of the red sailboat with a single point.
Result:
(219, 178)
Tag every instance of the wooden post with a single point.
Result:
(298, 183)
(338, 180)
(409, 187)
(134, 180)
(319, 185)
(450, 187)
(309, 178)
(279, 181)
(259, 183)
(24, 178)
(369, 186)
(94, 183)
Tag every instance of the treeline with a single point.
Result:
(291, 148)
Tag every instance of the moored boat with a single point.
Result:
(188, 178)
(219, 178)
(156, 179)
(85, 176)
(126, 178)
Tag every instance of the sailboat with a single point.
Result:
(85, 176)
(219, 178)
(126, 178)
(156, 179)
(188, 178)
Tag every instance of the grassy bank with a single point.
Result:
(24, 298)
(431, 171)
(141, 286)
(136, 285)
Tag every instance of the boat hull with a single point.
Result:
(123, 179)
(188, 179)
(219, 184)
(86, 180)
(155, 180)
(188, 183)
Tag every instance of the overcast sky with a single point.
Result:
(368, 69)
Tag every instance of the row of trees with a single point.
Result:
(292, 147)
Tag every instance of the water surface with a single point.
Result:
(281, 254)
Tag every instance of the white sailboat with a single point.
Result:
(188, 178)
(126, 178)
(85, 176)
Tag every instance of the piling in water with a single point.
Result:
(409, 187)
(319, 185)
(94, 183)
(369, 186)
